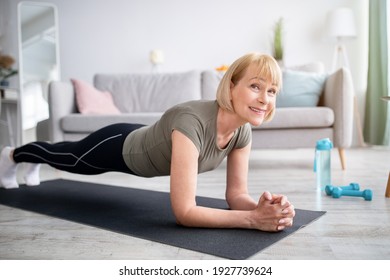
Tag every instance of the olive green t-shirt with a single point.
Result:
(147, 150)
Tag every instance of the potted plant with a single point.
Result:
(278, 41)
(6, 70)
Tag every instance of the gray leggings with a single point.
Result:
(99, 152)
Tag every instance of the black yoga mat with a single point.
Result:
(143, 214)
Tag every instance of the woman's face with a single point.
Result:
(253, 97)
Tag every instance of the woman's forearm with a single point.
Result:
(205, 217)
(268, 215)
(241, 202)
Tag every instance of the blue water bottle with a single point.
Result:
(322, 162)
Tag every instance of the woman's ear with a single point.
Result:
(230, 91)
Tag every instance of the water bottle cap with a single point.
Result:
(324, 144)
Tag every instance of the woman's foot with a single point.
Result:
(7, 169)
(32, 174)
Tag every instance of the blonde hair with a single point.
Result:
(266, 66)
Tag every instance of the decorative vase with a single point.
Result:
(280, 62)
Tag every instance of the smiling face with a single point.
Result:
(253, 97)
(249, 87)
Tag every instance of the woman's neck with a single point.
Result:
(227, 124)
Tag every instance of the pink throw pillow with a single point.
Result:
(90, 100)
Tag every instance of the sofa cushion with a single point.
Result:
(89, 100)
(150, 92)
(300, 89)
(210, 82)
(300, 117)
(89, 123)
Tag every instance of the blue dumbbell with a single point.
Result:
(352, 186)
(338, 192)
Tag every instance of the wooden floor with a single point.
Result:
(351, 229)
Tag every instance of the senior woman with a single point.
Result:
(190, 138)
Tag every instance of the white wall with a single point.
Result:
(116, 36)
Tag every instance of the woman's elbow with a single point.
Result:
(183, 218)
(181, 221)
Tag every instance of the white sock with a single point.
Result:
(32, 174)
(7, 169)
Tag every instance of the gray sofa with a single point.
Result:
(142, 98)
